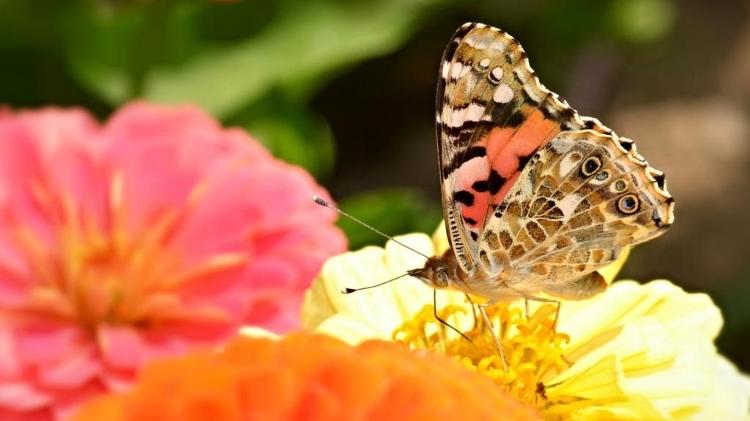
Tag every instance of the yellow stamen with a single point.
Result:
(532, 347)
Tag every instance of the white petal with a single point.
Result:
(352, 330)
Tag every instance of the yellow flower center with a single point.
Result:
(531, 345)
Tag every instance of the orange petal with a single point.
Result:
(309, 377)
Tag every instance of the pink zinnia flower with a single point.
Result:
(157, 232)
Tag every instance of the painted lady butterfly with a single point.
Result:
(535, 197)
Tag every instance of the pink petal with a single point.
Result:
(121, 346)
(22, 396)
(220, 222)
(71, 372)
(47, 343)
(9, 364)
(271, 273)
(163, 152)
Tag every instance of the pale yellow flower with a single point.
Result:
(634, 352)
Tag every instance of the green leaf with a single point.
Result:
(308, 41)
(393, 211)
(110, 49)
(164, 51)
(98, 51)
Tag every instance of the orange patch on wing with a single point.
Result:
(478, 210)
(506, 147)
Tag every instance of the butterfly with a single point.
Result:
(536, 198)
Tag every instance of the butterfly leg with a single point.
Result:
(557, 303)
(473, 308)
(526, 308)
(488, 326)
(443, 322)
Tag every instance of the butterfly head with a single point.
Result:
(434, 273)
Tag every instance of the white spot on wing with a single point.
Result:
(476, 42)
(444, 70)
(456, 70)
(568, 163)
(457, 117)
(474, 112)
(568, 204)
(485, 63)
(470, 171)
(497, 73)
(503, 94)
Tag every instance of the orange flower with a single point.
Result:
(308, 377)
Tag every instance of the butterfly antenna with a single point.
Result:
(327, 204)
(435, 313)
(350, 290)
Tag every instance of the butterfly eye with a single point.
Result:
(591, 165)
(442, 278)
(628, 204)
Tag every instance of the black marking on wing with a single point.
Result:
(480, 186)
(492, 184)
(458, 160)
(660, 180)
(475, 152)
(515, 119)
(466, 126)
(523, 160)
(500, 209)
(464, 196)
(565, 116)
(450, 50)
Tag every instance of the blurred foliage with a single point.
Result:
(171, 51)
(641, 20)
(393, 211)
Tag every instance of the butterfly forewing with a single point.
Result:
(534, 195)
(492, 115)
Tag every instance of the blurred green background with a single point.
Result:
(346, 89)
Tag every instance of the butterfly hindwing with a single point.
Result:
(492, 115)
(581, 198)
